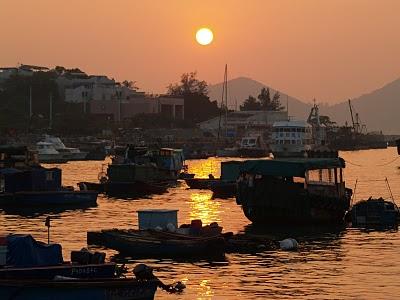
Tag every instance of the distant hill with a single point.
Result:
(379, 110)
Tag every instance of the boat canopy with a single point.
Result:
(290, 167)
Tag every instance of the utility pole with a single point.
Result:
(51, 111)
(119, 105)
(30, 102)
(84, 102)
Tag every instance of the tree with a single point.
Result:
(188, 85)
(250, 103)
(130, 84)
(276, 103)
(265, 99)
(198, 106)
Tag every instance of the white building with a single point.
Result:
(22, 70)
(238, 122)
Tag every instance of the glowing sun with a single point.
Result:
(204, 36)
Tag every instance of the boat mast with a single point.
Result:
(226, 99)
(224, 94)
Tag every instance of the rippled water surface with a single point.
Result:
(340, 263)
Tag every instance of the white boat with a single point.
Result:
(68, 152)
(253, 145)
(291, 138)
(48, 154)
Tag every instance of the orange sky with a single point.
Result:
(330, 50)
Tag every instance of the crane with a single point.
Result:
(357, 127)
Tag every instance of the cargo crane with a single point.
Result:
(357, 126)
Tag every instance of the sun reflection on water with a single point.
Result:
(205, 291)
(204, 208)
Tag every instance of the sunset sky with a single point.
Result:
(330, 50)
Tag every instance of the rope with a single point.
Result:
(349, 162)
(385, 164)
(381, 165)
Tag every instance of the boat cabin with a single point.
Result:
(251, 142)
(317, 176)
(35, 179)
(292, 133)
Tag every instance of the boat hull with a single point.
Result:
(143, 246)
(280, 203)
(111, 289)
(200, 183)
(74, 156)
(67, 270)
(253, 152)
(223, 189)
(49, 198)
(125, 188)
(52, 158)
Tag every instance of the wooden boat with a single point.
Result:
(375, 213)
(148, 243)
(132, 189)
(201, 183)
(301, 191)
(138, 171)
(72, 288)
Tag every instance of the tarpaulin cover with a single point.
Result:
(290, 167)
(25, 251)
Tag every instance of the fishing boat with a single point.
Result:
(138, 170)
(253, 145)
(48, 154)
(23, 257)
(201, 183)
(68, 153)
(302, 191)
(151, 243)
(35, 270)
(40, 187)
(375, 213)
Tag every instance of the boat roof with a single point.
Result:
(289, 167)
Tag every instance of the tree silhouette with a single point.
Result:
(188, 85)
(265, 99)
(263, 102)
(130, 84)
(198, 106)
(250, 103)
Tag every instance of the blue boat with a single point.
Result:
(40, 187)
(375, 213)
(30, 259)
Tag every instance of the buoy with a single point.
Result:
(288, 244)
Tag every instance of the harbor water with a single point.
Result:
(332, 263)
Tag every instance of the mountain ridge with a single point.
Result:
(378, 109)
